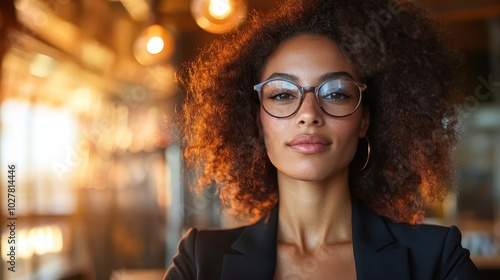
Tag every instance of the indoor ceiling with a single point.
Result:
(468, 20)
(108, 22)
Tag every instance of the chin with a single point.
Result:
(316, 175)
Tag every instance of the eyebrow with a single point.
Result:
(322, 78)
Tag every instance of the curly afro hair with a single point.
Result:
(399, 50)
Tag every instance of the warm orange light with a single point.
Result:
(219, 9)
(218, 16)
(139, 10)
(154, 44)
(37, 240)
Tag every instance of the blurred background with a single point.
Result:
(88, 96)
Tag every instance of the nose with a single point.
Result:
(310, 112)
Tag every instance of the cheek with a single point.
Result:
(345, 133)
(273, 130)
(352, 125)
(348, 130)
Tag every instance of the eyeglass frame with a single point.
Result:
(303, 90)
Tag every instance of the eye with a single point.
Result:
(336, 96)
(280, 91)
(338, 91)
(282, 96)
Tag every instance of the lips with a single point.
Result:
(309, 144)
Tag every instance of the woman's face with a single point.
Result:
(311, 145)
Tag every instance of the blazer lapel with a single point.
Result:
(377, 254)
(255, 251)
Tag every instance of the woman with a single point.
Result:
(333, 122)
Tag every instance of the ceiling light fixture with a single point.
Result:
(218, 16)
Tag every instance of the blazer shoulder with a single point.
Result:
(438, 244)
(201, 246)
(415, 232)
(217, 239)
(203, 242)
(427, 238)
(429, 235)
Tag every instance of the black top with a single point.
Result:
(382, 250)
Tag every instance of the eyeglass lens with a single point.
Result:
(282, 98)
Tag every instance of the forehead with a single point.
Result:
(308, 57)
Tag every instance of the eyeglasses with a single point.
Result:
(282, 98)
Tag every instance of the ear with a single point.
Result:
(365, 122)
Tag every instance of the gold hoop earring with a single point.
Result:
(368, 156)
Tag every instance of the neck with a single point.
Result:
(312, 214)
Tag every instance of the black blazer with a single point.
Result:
(382, 250)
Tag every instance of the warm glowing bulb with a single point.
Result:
(219, 9)
(218, 16)
(155, 45)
